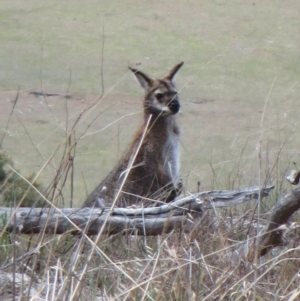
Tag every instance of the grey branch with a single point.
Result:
(141, 221)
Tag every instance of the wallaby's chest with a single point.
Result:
(171, 155)
(169, 148)
(165, 150)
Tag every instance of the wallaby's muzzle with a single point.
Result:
(174, 106)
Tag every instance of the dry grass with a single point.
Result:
(171, 267)
(240, 95)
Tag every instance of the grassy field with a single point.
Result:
(239, 84)
(239, 87)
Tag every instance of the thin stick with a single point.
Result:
(9, 119)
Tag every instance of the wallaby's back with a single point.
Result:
(149, 169)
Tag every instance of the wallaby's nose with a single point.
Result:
(174, 106)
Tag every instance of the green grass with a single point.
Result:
(56, 36)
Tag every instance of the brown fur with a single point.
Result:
(154, 175)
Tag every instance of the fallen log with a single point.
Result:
(140, 221)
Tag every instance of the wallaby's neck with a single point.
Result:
(158, 123)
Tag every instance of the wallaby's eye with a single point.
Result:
(159, 96)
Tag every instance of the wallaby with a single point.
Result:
(154, 174)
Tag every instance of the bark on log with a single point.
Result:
(281, 213)
(272, 234)
(141, 221)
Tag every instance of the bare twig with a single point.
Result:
(9, 119)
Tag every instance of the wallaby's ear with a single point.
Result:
(173, 71)
(142, 78)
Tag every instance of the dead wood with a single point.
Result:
(151, 220)
(141, 221)
(272, 234)
(281, 213)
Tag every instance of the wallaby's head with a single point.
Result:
(161, 97)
